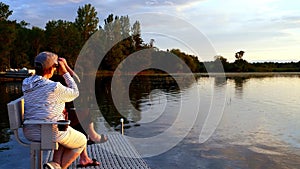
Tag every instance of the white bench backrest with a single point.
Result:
(16, 113)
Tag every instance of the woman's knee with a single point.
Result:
(74, 139)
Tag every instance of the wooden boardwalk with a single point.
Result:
(116, 153)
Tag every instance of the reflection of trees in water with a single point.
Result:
(239, 82)
(240, 79)
(11, 88)
(219, 81)
(8, 92)
(140, 88)
(104, 100)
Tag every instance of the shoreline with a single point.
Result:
(11, 78)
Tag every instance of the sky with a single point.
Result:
(267, 30)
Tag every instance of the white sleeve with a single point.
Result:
(67, 93)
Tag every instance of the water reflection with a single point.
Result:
(220, 81)
(8, 91)
(259, 127)
(141, 89)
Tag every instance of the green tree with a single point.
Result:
(117, 28)
(136, 35)
(7, 37)
(125, 26)
(223, 60)
(124, 39)
(190, 60)
(239, 55)
(86, 21)
(113, 37)
(241, 65)
(24, 24)
(4, 11)
(112, 29)
(37, 41)
(19, 55)
(63, 38)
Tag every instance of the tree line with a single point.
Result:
(20, 44)
(241, 65)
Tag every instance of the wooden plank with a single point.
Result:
(117, 152)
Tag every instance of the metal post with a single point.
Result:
(122, 126)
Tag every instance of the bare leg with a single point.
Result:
(84, 158)
(91, 131)
(58, 154)
(94, 136)
(68, 157)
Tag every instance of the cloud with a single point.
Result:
(60, 2)
(38, 12)
(234, 22)
(170, 3)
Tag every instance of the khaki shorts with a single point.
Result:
(74, 140)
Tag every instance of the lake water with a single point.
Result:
(242, 121)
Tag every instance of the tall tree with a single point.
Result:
(7, 37)
(190, 60)
(240, 64)
(112, 32)
(37, 40)
(117, 27)
(52, 35)
(223, 61)
(109, 27)
(86, 21)
(4, 11)
(69, 46)
(117, 34)
(136, 35)
(125, 26)
(19, 55)
(239, 55)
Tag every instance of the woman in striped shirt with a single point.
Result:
(45, 100)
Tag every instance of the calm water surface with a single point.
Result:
(259, 126)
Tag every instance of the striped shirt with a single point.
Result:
(45, 100)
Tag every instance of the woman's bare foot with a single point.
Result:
(88, 162)
(94, 136)
(99, 139)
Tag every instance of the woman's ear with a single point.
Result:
(48, 71)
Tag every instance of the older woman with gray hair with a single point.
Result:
(45, 100)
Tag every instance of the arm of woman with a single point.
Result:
(67, 93)
(70, 92)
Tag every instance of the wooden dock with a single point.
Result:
(116, 153)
